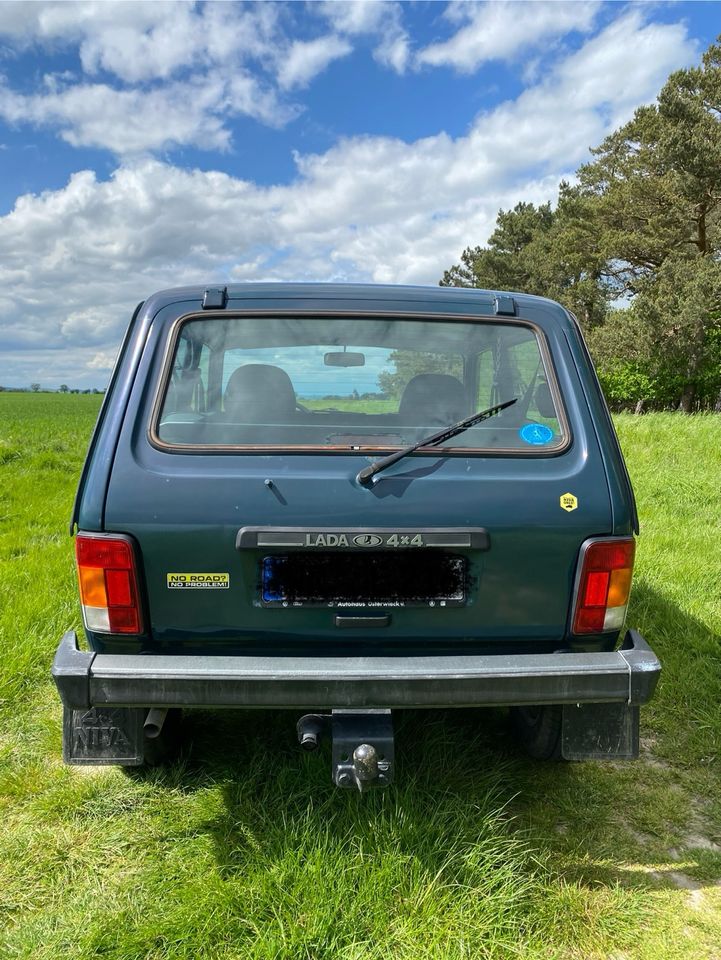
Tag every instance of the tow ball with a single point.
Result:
(362, 745)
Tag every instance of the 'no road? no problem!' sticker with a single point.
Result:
(198, 581)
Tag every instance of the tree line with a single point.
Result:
(633, 248)
(37, 388)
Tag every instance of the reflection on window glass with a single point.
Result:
(356, 384)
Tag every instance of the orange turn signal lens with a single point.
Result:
(92, 587)
(619, 587)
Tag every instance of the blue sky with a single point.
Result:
(149, 144)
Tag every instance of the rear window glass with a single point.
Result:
(345, 384)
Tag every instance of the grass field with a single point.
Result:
(350, 405)
(244, 850)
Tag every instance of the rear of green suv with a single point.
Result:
(349, 500)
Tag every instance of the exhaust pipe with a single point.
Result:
(154, 721)
(310, 728)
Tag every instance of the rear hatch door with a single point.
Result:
(272, 548)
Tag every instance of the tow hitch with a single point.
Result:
(362, 745)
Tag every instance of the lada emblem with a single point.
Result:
(326, 540)
(367, 540)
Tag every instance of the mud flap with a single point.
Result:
(599, 731)
(103, 736)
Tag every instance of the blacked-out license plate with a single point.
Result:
(364, 579)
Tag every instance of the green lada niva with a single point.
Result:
(348, 500)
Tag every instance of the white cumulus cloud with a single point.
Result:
(137, 41)
(125, 121)
(500, 30)
(382, 18)
(163, 74)
(101, 361)
(307, 58)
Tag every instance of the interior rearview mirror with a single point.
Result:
(344, 359)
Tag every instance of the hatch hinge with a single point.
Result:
(504, 306)
(215, 298)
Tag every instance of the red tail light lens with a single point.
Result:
(108, 584)
(604, 585)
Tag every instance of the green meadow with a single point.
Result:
(243, 849)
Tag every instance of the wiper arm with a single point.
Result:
(365, 476)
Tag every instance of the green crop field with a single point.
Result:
(243, 849)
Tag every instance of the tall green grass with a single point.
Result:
(244, 849)
(42, 442)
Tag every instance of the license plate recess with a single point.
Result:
(365, 579)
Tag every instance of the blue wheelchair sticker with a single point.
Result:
(536, 433)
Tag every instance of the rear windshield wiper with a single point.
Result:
(366, 475)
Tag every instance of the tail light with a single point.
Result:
(108, 584)
(604, 584)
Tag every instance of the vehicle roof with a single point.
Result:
(359, 292)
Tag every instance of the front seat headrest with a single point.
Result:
(433, 398)
(260, 393)
(544, 401)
